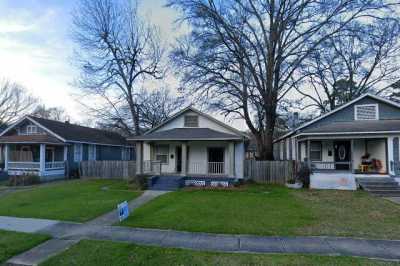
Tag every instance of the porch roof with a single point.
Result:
(354, 127)
(187, 134)
(30, 139)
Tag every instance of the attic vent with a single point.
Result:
(366, 112)
(191, 121)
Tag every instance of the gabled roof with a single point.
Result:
(67, 132)
(378, 98)
(188, 134)
(191, 108)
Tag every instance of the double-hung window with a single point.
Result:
(316, 151)
(78, 150)
(161, 153)
(92, 152)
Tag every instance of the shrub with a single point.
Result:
(24, 180)
(140, 181)
(303, 175)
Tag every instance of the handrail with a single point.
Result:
(216, 167)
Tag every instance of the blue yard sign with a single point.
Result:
(123, 211)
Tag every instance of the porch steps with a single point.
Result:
(169, 183)
(383, 187)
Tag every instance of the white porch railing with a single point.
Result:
(54, 165)
(24, 165)
(197, 168)
(151, 167)
(216, 167)
(35, 165)
(331, 166)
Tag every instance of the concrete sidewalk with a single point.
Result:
(67, 234)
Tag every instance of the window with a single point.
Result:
(366, 112)
(31, 129)
(92, 153)
(316, 151)
(161, 153)
(77, 152)
(191, 121)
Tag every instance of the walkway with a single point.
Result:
(65, 234)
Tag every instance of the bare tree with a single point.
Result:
(117, 50)
(363, 58)
(15, 102)
(244, 56)
(53, 113)
(154, 107)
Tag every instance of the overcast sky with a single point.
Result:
(36, 48)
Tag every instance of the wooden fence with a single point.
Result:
(272, 172)
(108, 169)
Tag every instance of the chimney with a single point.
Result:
(295, 119)
(67, 122)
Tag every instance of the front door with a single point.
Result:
(178, 152)
(216, 160)
(342, 155)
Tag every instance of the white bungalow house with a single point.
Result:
(191, 144)
(358, 139)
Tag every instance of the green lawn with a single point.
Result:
(77, 200)
(99, 253)
(13, 243)
(271, 210)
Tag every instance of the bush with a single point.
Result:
(140, 181)
(303, 175)
(24, 180)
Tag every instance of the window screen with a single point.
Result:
(161, 153)
(191, 121)
(366, 112)
(315, 151)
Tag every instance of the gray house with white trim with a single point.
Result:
(360, 138)
(49, 148)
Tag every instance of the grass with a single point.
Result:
(13, 243)
(272, 210)
(99, 253)
(78, 200)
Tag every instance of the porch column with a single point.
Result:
(42, 168)
(308, 153)
(231, 152)
(6, 154)
(139, 157)
(184, 159)
(351, 155)
(65, 153)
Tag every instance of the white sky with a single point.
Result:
(36, 48)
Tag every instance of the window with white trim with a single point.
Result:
(316, 151)
(31, 129)
(191, 121)
(78, 152)
(366, 112)
(161, 153)
(92, 152)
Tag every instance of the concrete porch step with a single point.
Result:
(384, 187)
(386, 193)
(381, 187)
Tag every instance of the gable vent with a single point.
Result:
(366, 112)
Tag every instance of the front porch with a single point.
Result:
(187, 158)
(359, 156)
(35, 159)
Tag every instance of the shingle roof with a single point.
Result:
(187, 134)
(29, 139)
(71, 132)
(357, 126)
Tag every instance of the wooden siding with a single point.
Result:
(270, 172)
